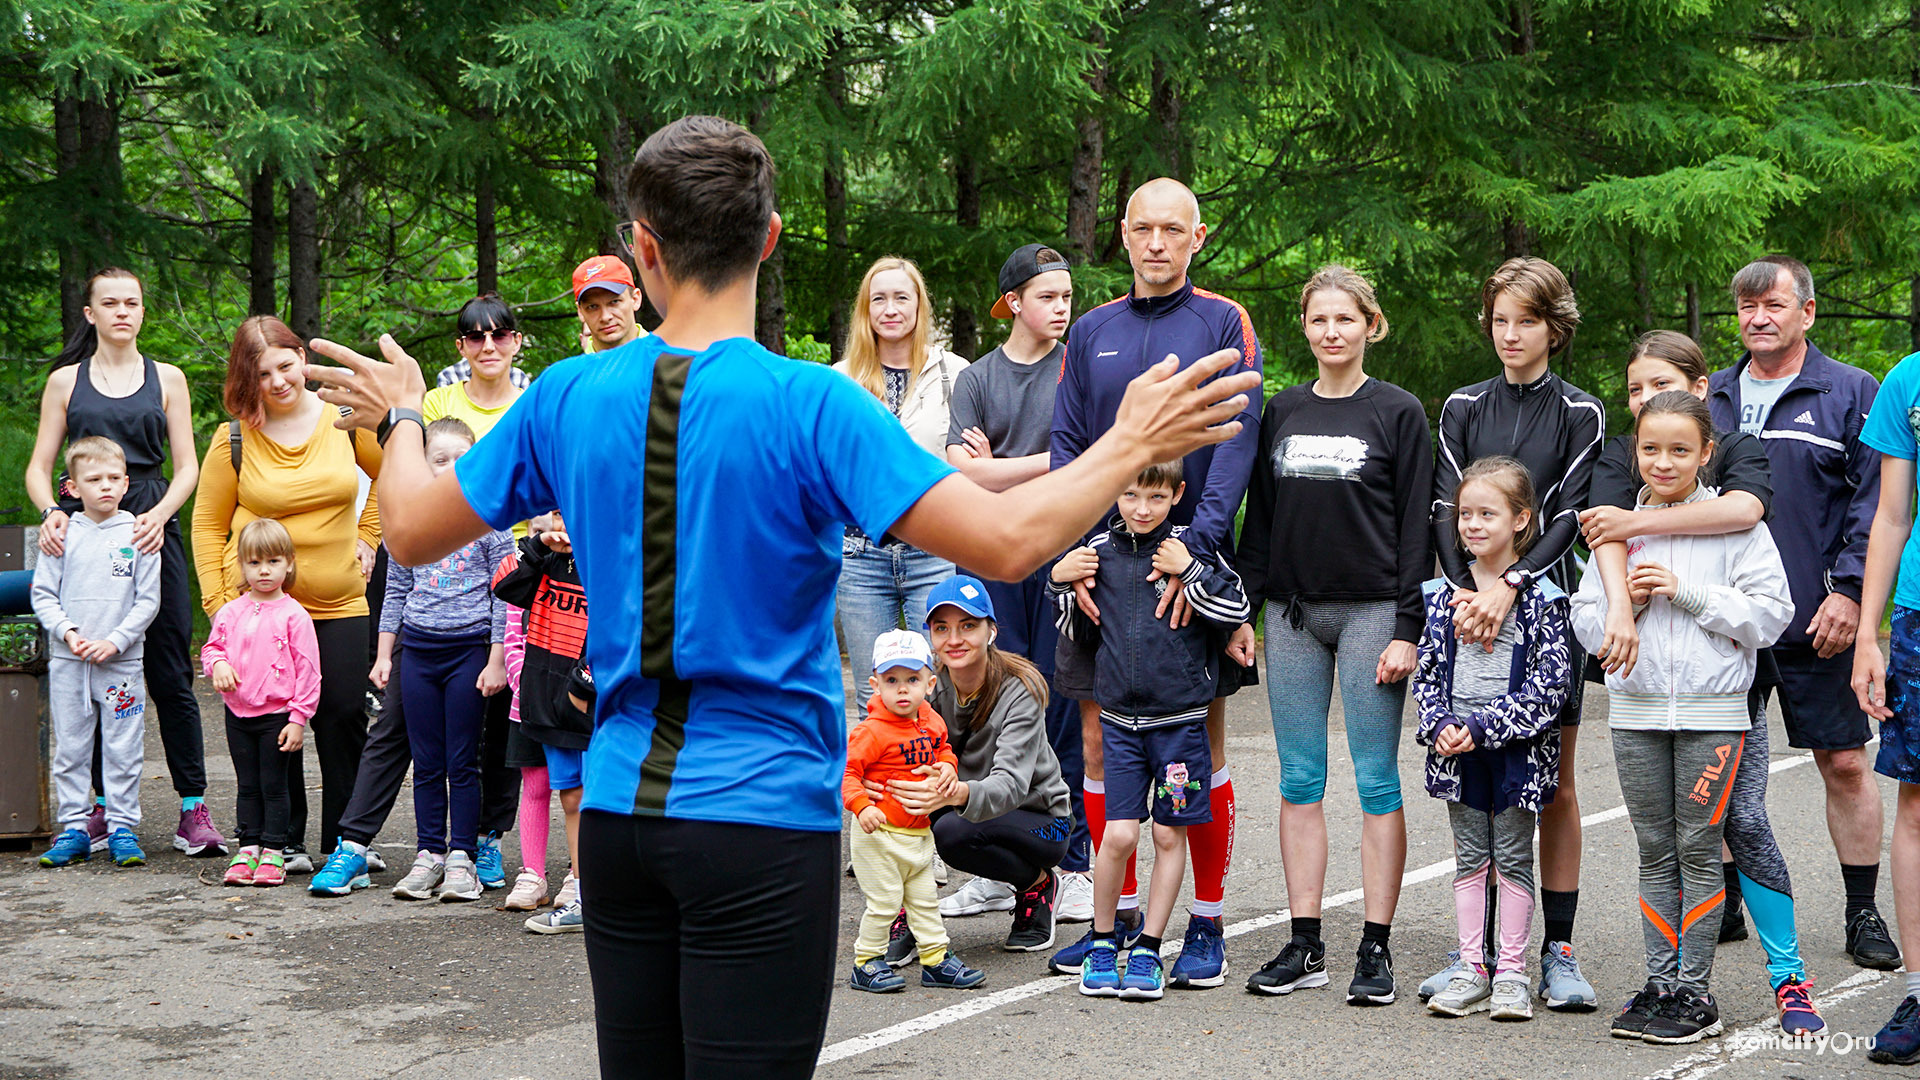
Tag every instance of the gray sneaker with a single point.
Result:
(1467, 993)
(563, 919)
(462, 881)
(1511, 998)
(420, 881)
(375, 864)
(1438, 981)
(1562, 986)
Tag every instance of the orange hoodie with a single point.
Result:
(886, 747)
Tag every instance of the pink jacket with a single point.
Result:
(272, 649)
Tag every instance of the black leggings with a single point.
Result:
(1016, 847)
(338, 730)
(260, 771)
(685, 921)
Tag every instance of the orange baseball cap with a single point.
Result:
(602, 272)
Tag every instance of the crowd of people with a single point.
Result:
(1044, 600)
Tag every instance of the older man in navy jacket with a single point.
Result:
(1807, 409)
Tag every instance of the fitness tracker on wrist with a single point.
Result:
(393, 417)
(1516, 578)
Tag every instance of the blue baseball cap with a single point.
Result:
(962, 592)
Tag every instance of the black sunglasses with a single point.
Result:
(626, 235)
(479, 337)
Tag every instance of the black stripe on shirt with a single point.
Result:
(659, 522)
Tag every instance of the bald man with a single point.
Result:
(1162, 315)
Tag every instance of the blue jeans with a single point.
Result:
(881, 585)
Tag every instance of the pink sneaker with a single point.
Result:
(97, 828)
(241, 870)
(196, 834)
(271, 871)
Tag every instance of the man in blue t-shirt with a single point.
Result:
(706, 483)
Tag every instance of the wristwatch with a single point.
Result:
(48, 510)
(1516, 578)
(393, 417)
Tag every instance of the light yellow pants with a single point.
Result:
(895, 870)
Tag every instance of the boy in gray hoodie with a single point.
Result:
(95, 601)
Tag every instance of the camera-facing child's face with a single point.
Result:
(1488, 524)
(443, 450)
(901, 689)
(101, 485)
(266, 574)
(1144, 507)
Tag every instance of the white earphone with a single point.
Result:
(1015, 307)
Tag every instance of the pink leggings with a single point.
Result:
(1488, 849)
(535, 813)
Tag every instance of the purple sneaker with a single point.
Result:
(196, 834)
(97, 828)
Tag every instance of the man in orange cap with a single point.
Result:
(608, 303)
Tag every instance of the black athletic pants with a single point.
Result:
(338, 730)
(1015, 847)
(685, 921)
(261, 807)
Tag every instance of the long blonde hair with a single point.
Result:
(863, 348)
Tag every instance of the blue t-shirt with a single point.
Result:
(1893, 428)
(706, 496)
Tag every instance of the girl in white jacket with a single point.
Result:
(1705, 605)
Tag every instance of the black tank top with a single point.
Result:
(138, 422)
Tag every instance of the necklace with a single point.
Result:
(108, 389)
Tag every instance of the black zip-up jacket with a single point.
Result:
(1145, 673)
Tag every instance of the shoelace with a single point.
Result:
(1867, 920)
(1141, 964)
(1098, 958)
(1794, 996)
(1645, 999)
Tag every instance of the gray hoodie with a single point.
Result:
(1006, 761)
(102, 586)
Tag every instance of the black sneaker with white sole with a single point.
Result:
(902, 949)
(1869, 943)
(1301, 965)
(1683, 1017)
(1372, 976)
(1033, 917)
(1631, 1023)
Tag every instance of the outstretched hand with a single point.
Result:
(1171, 412)
(369, 387)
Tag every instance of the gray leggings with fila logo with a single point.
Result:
(1676, 787)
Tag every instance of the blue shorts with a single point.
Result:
(1163, 772)
(1899, 756)
(565, 768)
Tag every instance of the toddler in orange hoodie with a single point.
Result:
(893, 849)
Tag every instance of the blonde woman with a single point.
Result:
(884, 580)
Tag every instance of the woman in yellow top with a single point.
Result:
(300, 470)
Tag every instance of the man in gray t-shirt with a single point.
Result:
(1008, 402)
(1757, 397)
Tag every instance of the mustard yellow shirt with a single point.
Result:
(453, 401)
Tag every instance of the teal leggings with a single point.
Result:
(1302, 660)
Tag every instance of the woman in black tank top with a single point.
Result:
(100, 384)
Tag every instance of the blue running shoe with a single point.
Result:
(344, 872)
(1145, 979)
(124, 848)
(876, 976)
(1562, 986)
(951, 974)
(487, 860)
(1203, 959)
(1899, 1042)
(1126, 927)
(1100, 969)
(68, 848)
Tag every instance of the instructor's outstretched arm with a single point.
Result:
(1166, 414)
(422, 516)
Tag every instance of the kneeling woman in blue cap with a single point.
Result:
(1006, 816)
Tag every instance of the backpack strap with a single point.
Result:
(233, 445)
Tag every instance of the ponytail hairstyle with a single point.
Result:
(1002, 666)
(1336, 278)
(86, 340)
(1512, 480)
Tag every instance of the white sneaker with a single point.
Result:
(1512, 999)
(420, 881)
(462, 880)
(569, 891)
(939, 869)
(375, 864)
(978, 896)
(1076, 898)
(529, 892)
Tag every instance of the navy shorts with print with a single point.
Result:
(1817, 700)
(1073, 670)
(1165, 773)
(1899, 756)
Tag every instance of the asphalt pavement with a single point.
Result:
(162, 972)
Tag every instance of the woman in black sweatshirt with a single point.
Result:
(1336, 545)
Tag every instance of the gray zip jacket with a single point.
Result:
(102, 586)
(1006, 761)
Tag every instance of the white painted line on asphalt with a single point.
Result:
(1748, 1040)
(952, 1014)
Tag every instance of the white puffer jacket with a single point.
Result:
(1697, 650)
(926, 414)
